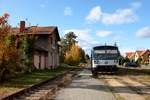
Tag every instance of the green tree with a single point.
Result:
(70, 39)
(122, 60)
(66, 43)
(126, 59)
(87, 56)
(82, 54)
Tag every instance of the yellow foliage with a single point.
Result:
(73, 56)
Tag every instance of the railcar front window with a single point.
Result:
(109, 54)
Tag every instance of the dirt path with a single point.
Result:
(105, 87)
(84, 87)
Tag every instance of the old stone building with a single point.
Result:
(46, 49)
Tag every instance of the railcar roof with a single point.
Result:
(105, 47)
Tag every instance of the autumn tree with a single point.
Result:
(73, 56)
(71, 53)
(9, 57)
(4, 26)
(66, 42)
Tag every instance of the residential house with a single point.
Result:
(143, 54)
(138, 55)
(130, 55)
(46, 49)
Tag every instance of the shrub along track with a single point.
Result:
(124, 88)
(45, 89)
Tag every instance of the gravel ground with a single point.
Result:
(105, 87)
(140, 88)
(123, 90)
(84, 87)
(145, 66)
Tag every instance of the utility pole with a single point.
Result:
(115, 44)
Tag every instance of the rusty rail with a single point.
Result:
(34, 86)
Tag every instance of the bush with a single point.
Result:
(9, 62)
(121, 60)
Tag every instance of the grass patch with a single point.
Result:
(28, 79)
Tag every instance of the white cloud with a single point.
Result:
(82, 34)
(119, 16)
(68, 11)
(103, 33)
(84, 38)
(143, 32)
(95, 14)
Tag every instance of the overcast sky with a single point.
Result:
(95, 22)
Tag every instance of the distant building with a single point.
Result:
(130, 55)
(143, 55)
(46, 50)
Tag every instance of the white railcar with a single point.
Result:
(104, 59)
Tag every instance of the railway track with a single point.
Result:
(44, 90)
(144, 83)
(126, 88)
(138, 87)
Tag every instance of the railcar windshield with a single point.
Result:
(105, 53)
(105, 56)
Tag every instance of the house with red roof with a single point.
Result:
(144, 55)
(130, 55)
(46, 48)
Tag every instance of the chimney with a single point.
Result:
(22, 26)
